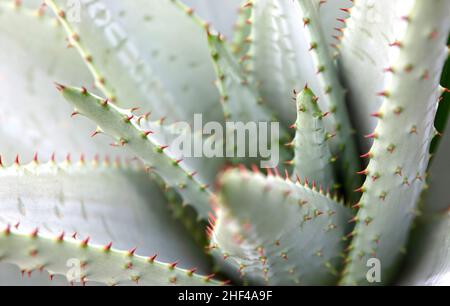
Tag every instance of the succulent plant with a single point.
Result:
(340, 77)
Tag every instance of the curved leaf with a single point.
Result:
(106, 205)
(277, 232)
(137, 53)
(313, 158)
(125, 127)
(400, 154)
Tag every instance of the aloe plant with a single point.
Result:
(355, 89)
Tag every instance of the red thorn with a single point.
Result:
(107, 247)
(85, 242)
(34, 233)
(17, 160)
(372, 135)
(368, 154)
(396, 44)
(384, 93)
(152, 258)
(35, 158)
(353, 220)
(60, 238)
(356, 206)
(173, 265)
(95, 133)
(60, 87)
(7, 230)
(192, 271)
(132, 251)
(363, 172)
(82, 158)
(74, 235)
(360, 189)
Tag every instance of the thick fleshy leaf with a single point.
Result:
(332, 14)
(400, 154)
(289, 50)
(90, 203)
(81, 263)
(137, 52)
(277, 232)
(313, 159)
(240, 43)
(429, 254)
(238, 96)
(33, 117)
(102, 200)
(125, 127)
(376, 55)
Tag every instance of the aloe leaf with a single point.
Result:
(400, 154)
(31, 117)
(289, 50)
(134, 50)
(369, 44)
(108, 201)
(313, 159)
(125, 127)
(428, 261)
(238, 96)
(285, 233)
(96, 203)
(81, 263)
(240, 43)
(333, 15)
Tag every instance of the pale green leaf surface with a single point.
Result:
(124, 127)
(108, 203)
(313, 159)
(277, 232)
(146, 52)
(400, 154)
(33, 117)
